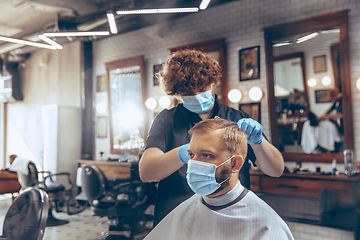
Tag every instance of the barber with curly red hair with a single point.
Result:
(193, 75)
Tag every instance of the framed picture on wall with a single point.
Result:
(102, 127)
(157, 69)
(101, 83)
(253, 109)
(322, 96)
(320, 64)
(249, 61)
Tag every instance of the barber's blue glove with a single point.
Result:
(253, 129)
(183, 154)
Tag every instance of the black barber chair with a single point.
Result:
(123, 202)
(27, 215)
(60, 195)
(356, 197)
(342, 215)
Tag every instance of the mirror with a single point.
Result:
(293, 101)
(126, 109)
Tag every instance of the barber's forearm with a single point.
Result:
(156, 165)
(269, 159)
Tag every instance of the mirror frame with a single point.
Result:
(123, 63)
(216, 45)
(326, 21)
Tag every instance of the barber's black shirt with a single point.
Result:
(170, 130)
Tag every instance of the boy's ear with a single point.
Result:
(236, 163)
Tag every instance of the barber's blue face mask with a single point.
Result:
(200, 103)
(201, 177)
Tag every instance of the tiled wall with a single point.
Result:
(240, 23)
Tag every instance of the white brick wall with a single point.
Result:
(241, 23)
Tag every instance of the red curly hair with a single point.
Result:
(187, 72)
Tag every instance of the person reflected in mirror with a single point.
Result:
(193, 76)
(221, 207)
(334, 113)
(320, 135)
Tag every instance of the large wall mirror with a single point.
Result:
(309, 88)
(126, 94)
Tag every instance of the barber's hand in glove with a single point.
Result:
(253, 129)
(183, 154)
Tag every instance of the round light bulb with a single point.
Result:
(234, 95)
(151, 103)
(255, 93)
(312, 82)
(164, 102)
(358, 84)
(326, 81)
(101, 107)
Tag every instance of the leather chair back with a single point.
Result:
(33, 178)
(94, 182)
(27, 216)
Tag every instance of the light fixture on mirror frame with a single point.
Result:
(101, 107)
(358, 84)
(151, 103)
(312, 82)
(326, 81)
(164, 102)
(255, 93)
(234, 95)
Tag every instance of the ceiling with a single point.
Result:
(25, 19)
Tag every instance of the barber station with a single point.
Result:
(168, 119)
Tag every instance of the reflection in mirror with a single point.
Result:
(297, 131)
(126, 108)
(291, 100)
(310, 122)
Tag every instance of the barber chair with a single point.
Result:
(123, 202)
(60, 195)
(356, 197)
(342, 215)
(27, 216)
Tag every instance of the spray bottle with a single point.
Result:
(334, 170)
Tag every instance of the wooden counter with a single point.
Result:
(111, 169)
(303, 185)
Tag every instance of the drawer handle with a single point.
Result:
(287, 186)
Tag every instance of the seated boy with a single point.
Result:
(221, 208)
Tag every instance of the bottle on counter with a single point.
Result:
(349, 162)
(334, 169)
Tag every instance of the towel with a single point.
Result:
(20, 165)
(328, 135)
(309, 137)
